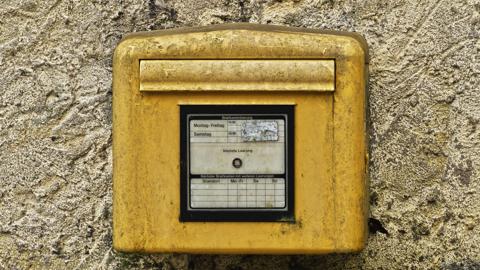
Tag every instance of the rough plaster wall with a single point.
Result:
(55, 128)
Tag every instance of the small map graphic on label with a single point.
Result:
(259, 130)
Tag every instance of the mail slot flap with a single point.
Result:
(237, 75)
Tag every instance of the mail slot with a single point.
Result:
(237, 75)
(240, 138)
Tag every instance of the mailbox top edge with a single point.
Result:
(358, 38)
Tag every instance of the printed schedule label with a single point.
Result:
(237, 162)
(237, 193)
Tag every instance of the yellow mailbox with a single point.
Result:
(239, 139)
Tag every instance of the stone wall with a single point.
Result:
(55, 128)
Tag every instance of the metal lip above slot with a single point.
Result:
(315, 75)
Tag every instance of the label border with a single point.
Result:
(285, 214)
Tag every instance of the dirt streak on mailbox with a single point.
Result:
(240, 138)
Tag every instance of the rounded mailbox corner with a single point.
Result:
(355, 47)
(361, 45)
(124, 49)
(354, 249)
(356, 243)
(120, 49)
(121, 246)
(359, 246)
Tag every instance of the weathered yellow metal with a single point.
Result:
(237, 75)
(330, 146)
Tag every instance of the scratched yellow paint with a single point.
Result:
(330, 148)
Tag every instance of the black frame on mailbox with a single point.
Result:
(188, 112)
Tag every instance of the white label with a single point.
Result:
(237, 163)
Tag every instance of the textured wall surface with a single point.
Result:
(55, 128)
